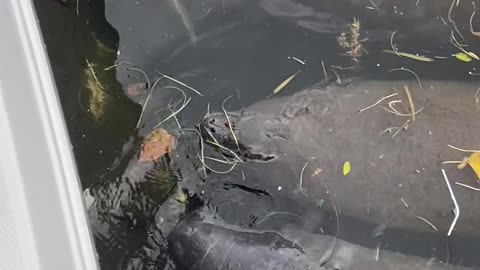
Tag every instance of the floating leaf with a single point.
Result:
(474, 162)
(463, 57)
(411, 56)
(158, 143)
(346, 168)
(284, 83)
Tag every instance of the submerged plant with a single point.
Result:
(350, 41)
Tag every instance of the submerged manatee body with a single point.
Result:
(295, 148)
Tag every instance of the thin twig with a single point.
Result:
(215, 171)
(467, 186)
(457, 209)
(176, 120)
(391, 43)
(408, 70)
(401, 127)
(452, 21)
(389, 129)
(452, 162)
(118, 64)
(298, 60)
(300, 184)
(477, 99)
(179, 82)
(378, 102)
(404, 202)
(173, 114)
(463, 150)
(324, 71)
(144, 74)
(373, 4)
(403, 114)
(230, 127)
(475, 33)
(412, 107)
(202, 149)
(146, 102)
(428, 222)
(94, 74)
(217, 144)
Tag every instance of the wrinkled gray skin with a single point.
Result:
(323, 128)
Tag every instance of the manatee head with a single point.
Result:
(251, 135)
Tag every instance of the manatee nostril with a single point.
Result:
(212, 130)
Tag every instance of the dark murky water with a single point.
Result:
(222, 48)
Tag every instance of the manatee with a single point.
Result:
(293, 189)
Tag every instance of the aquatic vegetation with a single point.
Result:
(96, 95)
(351, 41)
(411, 56)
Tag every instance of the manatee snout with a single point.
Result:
(215, 128)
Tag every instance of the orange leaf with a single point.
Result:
(158, 143)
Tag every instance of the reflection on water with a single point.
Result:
(243, 49)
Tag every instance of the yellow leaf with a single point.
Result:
(463, 57)
(346, 168)
(411, 56)
(284, 83)
(474, 162)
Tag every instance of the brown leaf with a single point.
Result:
(158, 143)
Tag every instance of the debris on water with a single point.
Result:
(452, 21)
(410, 101)
(452, 196)
(373, 4)
(179, 82)
(230, 125)
(410, 71)
(428, 222)
(477, 99)
(324, 71)
(317, 172)
(463, 150)
(475, 33)
(300, 184)
(455, 43)
(463, 57)
(284, 83)
(158, 143)
(401, 127)
(297, 60)
(346, 168)
(467, 186)
(279, 188)
(404, 202)
(378, 102)
(411, 56)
